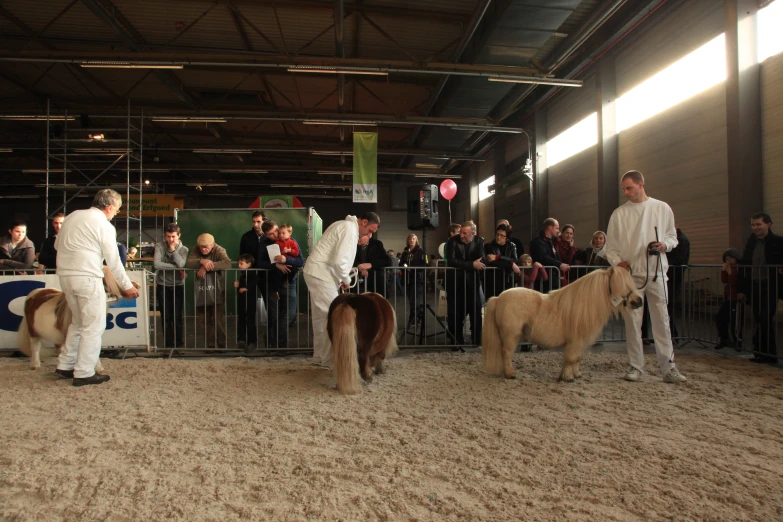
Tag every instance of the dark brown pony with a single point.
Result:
(362, 332)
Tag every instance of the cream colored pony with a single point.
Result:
(570, 318)
(47, 318)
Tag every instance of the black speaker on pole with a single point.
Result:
(422, 207)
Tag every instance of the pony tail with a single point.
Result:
(344, 353)
(24, 338)
(111, 283)
(490, 341)
(392, 347)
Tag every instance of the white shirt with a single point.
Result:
(85, 240)
(632, 228)
(333, 255)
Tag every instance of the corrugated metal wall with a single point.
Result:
(682, 151)
(573, 183)
(486, 217)
(772, 135)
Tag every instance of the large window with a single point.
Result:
(770, 30)
(573, 140)
(695, 73)
(484, 192)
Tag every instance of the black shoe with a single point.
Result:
(241, 345)
(723, 343)
(110, 354)
(94, 379)
(250, 348)
(64, 374)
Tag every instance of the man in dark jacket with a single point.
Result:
(678, 258)
(371, 259)
(276, 285)
(502, 256)
(543, 250)
(250, 244)
(466, 260)
(47, 258)
(760, 283)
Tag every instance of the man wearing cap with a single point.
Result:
(87, 238)
(328, 268)
(210, 259)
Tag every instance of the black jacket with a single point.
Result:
(462, 256)
(377, 256)
(544, 251)
(773, 254)
(48, 255)
(502, 277)
(274, 279)
(413, 258)
(251, 244)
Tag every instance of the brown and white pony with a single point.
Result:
(362, 332)
(47, 317)
(570, 318)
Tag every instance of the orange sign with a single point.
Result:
(151, 205)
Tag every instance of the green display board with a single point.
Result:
(228, 226)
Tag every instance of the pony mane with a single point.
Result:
(584, 303)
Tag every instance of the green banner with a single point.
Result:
(365, 167)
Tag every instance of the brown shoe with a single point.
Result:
(93, 379)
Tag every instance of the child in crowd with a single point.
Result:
(247, 336)
(532, 271)
(284, 241)
(730, 316)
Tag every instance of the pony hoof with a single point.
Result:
(512, 376)
(35, 367)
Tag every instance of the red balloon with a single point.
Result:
(448, 189)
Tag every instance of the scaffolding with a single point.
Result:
(91, 150)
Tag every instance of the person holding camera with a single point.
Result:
(639, 232)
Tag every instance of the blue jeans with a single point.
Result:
(292, 301)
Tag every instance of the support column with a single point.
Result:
(608, 161)
(743, 117)
(541, 183)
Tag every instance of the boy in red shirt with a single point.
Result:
(286, 244)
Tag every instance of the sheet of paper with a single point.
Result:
(274, 251)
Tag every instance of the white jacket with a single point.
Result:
(333, 255)
(84, 241)
(632, 227)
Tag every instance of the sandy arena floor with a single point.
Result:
(433, 439)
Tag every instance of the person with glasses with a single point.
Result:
(502, 256)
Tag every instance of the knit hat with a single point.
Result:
(732, 252)
(205, 240)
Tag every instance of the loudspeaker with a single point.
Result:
(422, 207)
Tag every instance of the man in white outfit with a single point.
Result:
(328, 267)
(631, 229)
(85, 240)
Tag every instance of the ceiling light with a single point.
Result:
(190, 120)
(43, 171)
(206, 184)
(336, 70)
(223, 151)
(538, 80)
(95, 136)
(21, 117)
(340, 122)
(335, 172)
(332, 153)
(311, 186)
(54, 185)
(128, 65)
(156, 170)
(146, 182)
(21, 197)
(427, 166)
(439, 176)
(6, 150)
(103, 151)
(244, 171)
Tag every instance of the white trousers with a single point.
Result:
(659, 319)
(87, 301)
(322, 293)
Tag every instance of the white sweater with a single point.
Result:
(632, 228)
(84, 241)
(333, 255)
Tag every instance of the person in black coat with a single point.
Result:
(502, 256)
(511, 237)
(47, 258)
(371, 260)
(761, 285)
(466, 260)
(678, 259)
(544, 250)
(413, 256)
(250, 244)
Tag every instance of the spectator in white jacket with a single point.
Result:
(328, 268)
(630, 236)
(85, 240)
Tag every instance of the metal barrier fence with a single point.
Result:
(258, 311)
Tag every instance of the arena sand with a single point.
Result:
(433, 439)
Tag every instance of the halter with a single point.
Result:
(626, 296)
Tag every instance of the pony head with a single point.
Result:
(622, 287)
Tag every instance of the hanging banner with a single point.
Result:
(365, 167)
(127, 320)
(151, 205)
